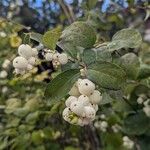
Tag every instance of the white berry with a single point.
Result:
(84, 100)
(95, 97)
(20, 62)
(19, 71)
(86, 87)
(29, 67)
(89, 112)
(63, 59)
(66, 114)
(56, 56)
(25, 50)
(77, 108)
(70, 100)
(32, 60)
(49, 56)
(34, 52)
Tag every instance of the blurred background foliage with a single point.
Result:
(27, 121)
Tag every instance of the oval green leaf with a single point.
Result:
(106, 75)
(60, 86)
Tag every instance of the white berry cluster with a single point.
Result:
(82, 104)
(26, 59)
(56, 58)
(127, 143)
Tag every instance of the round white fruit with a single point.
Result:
(66, 113)
(32, 60)
(49, 56)
(25, 50)
(29, 67)
(84, 100)
(56, 56)
(86, 87)
(70, 100)
(20, 62)
(78, 82)
(95, 97)
(89, 112)
(34, 52)
(63, 59)
(74, 91)
(77, 108)
(19, 71)
(95, 106)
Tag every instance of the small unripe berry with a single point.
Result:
(70, 100)
(84, 100)
(32, 60)
(20, 62)
(86, 87)
(25, 50)
(74, 91)
(89, 112)
(49, 56)
(63, 59)
(95, 97)
(77, 108)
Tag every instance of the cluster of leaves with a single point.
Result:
(120, 68)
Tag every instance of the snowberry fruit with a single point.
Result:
(95, 106)
(32, 60)
(49, 56)
(95, 97)
(34, 52)
(55, 63)
(66, 113)
(25, 50)
(63, 59)
(29, 67)
(74, 91)
(20, 62)
(83, 121)
(89, 112)
(70, 100)
(56, 56)
(19, 71)
(84, 100)
(86, 87)
(78, 82)
(77, 108)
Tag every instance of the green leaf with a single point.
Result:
(106, 75)
(131, 64)
(36, 37)
(78, 34)
(51, 37)
(126, 38)
(89, 56)
(106, 99)
(60, 86)
(136, 124)
(102, 54)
